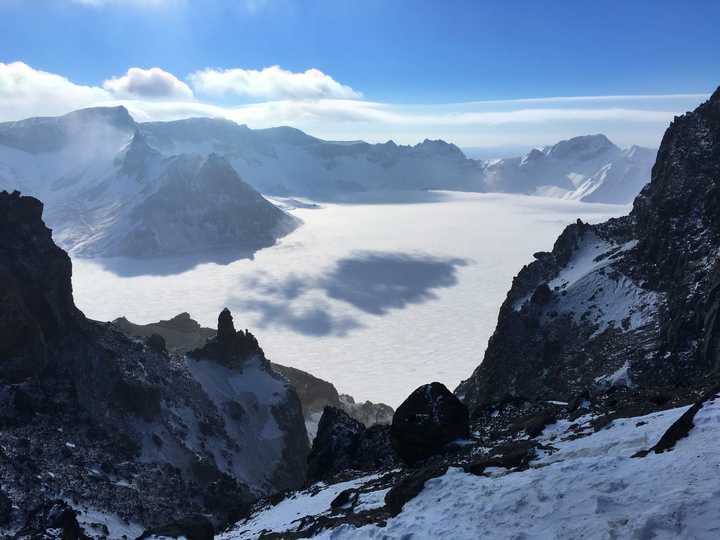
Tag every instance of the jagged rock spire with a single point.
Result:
(226, 328)
(229, 346)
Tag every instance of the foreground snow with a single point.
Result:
(589, 487)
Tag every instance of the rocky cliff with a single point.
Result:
(631, 302)
(183, 334)
(123, 431)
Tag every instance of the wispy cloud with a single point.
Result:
(271, 82)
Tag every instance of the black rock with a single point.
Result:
(509, 456)
(36, 304)
(5, 509)
(229, 347)
(49, 518)
(156, 343)
(335, 444)
(426, 421)
(226, 327)
(409, 487)
(194, 527)
(345, 497)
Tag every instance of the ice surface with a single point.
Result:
(376, 298)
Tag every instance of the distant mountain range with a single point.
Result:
(113, 186)
(110, 193)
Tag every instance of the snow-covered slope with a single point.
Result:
(588, 168)
(583, 484)
(286, 161)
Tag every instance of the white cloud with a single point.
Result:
(26, 92)
(153, 83)
(270, 83)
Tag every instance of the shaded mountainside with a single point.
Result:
(182, 334)
(632, 301)
(126, 433)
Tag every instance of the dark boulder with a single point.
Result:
(428, 419)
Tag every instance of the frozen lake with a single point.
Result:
(376, 298)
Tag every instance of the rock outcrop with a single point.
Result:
(629, 303)
(182, 334)
(343, 444)
(427, 420)
(36, 304)
(123, 428)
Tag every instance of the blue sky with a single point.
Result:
(428, 62)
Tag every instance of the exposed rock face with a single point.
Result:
(426, 421)
(183, 334)
(121, 427)
(335, 444)
(343, 444)
(36, 304)
(631, 302)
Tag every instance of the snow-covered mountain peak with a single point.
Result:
(532, 156)
(582, 148)
(96, 126)
(440, 147)
(119, 117)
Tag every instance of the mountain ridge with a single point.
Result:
(120, 429)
